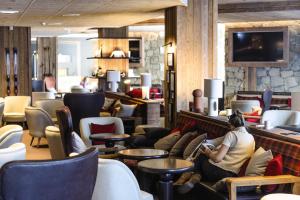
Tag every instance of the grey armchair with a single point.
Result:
(50, 106)
(36, 96)
(37, 121)
(14, 108)
(9, 135)
(1, 109)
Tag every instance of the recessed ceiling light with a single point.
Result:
(9, 11)
(71, 15)
(55, 24)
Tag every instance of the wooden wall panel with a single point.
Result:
(193, 30)
(19, 38)
(47, 59)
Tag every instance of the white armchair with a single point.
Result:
(281, 117)
(16, 151)
(115, 181)
(14, 108)
(9, 135)
(85, 131)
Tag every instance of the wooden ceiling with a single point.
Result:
(117, 13)
(93, 13)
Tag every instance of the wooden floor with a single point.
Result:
(34, 153)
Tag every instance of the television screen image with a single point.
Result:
(258, 47)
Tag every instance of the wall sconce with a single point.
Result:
(170, 47)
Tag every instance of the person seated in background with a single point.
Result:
(231, 151)
(83, 82)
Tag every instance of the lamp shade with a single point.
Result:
(295, 101)
(146, 79)
(213, 88)
(113, 76)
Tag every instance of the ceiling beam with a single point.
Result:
(259, 7)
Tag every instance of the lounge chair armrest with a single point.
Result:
(233, 183)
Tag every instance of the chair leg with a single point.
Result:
(39, 140)
(32, 138)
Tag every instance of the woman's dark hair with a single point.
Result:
(237, 119)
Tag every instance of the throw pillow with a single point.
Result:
(180, 145)
(156, 133)
(274, 168)
(193, 145)
(77, 143)
(101, 128)
(258, 162)
(167, 142)
(108, 103)
(126, 110)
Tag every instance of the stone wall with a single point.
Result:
(280, 79)
(153, 57)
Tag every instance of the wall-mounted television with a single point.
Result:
(258, 47)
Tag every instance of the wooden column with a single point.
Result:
(20, 39)
(193, 32)
(47, 59)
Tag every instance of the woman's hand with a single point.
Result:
(206, 151)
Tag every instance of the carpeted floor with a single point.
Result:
(34, 153)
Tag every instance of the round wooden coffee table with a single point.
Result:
(109, 138)
(166, 168)
(143, 154)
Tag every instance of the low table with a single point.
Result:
(142, 154)
(109, 138)
(166, 168)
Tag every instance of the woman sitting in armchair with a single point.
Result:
(231, 151)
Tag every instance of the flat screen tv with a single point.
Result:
(258, 47)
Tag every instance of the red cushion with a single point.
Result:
(135, 93)
(274, 168)
(242, 171)
(254, 120)
(289, 102)
(154, 90)
(102, 128)
(174, 130)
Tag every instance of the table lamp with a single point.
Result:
(146, 79)
(213, 89)
(295, 101)
(113, 77)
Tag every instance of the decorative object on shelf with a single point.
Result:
(117, 53)
(197, 100)
(99, 72)
(127, 85)
(213, 89)
(146, 79)
(129, 54)
(7, 63)
(99, 52)
(123, 74)
(145, 92)
(113, 77)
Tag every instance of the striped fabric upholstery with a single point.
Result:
(290, 152)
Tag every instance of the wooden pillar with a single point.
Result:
(47, 59)
(18, 38)
(193, 33)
